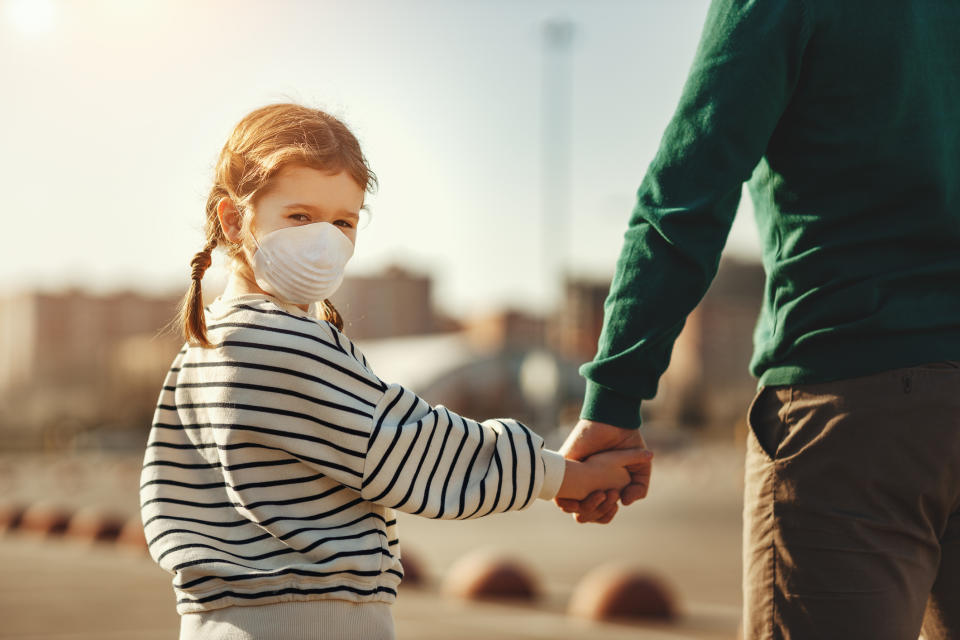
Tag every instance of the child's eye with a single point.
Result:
(346, 224)
(299, 217)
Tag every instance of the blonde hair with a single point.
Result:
(262, 144)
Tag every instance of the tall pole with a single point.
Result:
(555, 99)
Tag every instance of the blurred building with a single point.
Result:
(72, 360)
(575, 327)
(396, 302)
(707, 383)
(506, 329)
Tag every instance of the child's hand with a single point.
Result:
(602, 471)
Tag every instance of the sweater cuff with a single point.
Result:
(554, 466)
(602, 404)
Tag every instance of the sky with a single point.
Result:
(114, 111)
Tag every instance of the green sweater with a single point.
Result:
(845, 118)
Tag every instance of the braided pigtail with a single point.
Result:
(192, 320)
(331, 315)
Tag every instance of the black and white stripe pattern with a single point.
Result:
(276, 460)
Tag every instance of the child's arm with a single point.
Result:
(430, 461)
(601, 471)
(298, 394)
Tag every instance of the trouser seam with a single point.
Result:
(784, 424)
(773, 567)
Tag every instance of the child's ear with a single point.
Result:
(230, 220)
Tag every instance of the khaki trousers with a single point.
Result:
(852, 508)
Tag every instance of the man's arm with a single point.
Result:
(746, 69)
(744, 73)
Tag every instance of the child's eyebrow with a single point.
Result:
(315, 209)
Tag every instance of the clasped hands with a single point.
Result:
(605, 464)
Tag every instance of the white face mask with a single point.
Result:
(302, 264)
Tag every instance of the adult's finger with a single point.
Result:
(587, 505)
(632, 493)
(639, 484)
(598, 510)
(592, 502)
(606, 518)
(602, 515)
(612, 497)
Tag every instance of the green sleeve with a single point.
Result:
(744, 72)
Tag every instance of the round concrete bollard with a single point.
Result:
(10, 516)
(45, 519)
(94, 525)
(413, 571)
(610, 593)
(491, 576)
(132, 534)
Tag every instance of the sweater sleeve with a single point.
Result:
(430, 461)
(744, 72)
(315, 399)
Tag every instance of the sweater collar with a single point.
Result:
(222, 303)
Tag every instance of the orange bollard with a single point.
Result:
(10, 516)
(45, 519)
(94, 525)
(413, 571)
(491, 576)
(612, 592)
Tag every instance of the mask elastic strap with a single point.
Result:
(266, 256)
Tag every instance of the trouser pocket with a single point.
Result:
(765, 419)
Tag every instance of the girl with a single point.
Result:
(277, 456)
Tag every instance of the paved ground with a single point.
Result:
(688, 532)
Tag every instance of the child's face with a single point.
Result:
(300, 195)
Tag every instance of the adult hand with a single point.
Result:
(590, 437)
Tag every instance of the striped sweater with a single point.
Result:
(276, 460)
